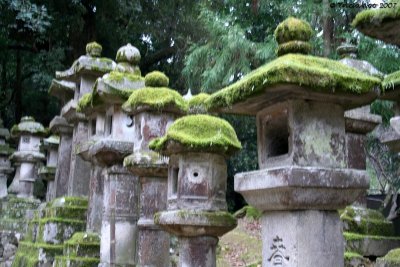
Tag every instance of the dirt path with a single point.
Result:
(242, 246)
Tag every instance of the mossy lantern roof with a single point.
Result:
(90, 64)
(63, 90)
(391, 87)
(113, 88)
(51, 141)
(198, 133)
(155, 96)
(29, 126)
(382, 24)
(295, 75)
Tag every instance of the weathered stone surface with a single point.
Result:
(63, 90)
(395, 123)
(119, 227)
(392, 259)
(293, 188)
(302, 238)
(198, 251)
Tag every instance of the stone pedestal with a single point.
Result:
(47, 172)
(197, 251)
(119, 227)
(302, 238)
(61, 127)
(5, 164)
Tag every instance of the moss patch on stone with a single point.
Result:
(293, 29)
(393, 257)
(248, 212)
(315, 73)
(391, 81)
(376, 16)
(156, 79)
(366, 222)
(117, 76)
(157, 98)
(87, 101)
(200, 133)
(30, 126)
(348, 255)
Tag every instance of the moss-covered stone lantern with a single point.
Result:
(113, 197)
(83, 72)
(197, 146)
(152, 108)
(5, 164)
(299, 103)
(29, 134)
(47, 172)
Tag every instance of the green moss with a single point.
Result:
(94, 49)
(30, 126)
(197, 103)
(376, 16)
(293, 29)
(68, 201)
(200, 133)
(87, 101)
(83, 237)
(318, 74)
(145, 159)
(348, 255)
(249, 212)
(391, 81)
(117, 76)
(393, 256)
(156, 79)
(366, 222)
(77, 261)
(294, 47)
(156, 98)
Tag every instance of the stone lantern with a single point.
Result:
(5, 165)
(47, 172)
(83, 73)
(29, 134)
(64, 91)
(152, 109)
(111, 139)
(299, 103)
(197, 146)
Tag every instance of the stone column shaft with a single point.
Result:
(153, 243)
(63, 165)
(119, 226)
(197, 251)
(95, 207)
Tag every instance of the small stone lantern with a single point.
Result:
(198, 146)
(299, 103)
(48, 172)
(5, 165)
(29, 133)
(111, 135)
(153, 109)
(83, 72)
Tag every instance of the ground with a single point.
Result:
(242, 246)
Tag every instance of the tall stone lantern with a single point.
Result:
(48, 171)
(198, 146)
(299, 103)
(64, 91)
(153, 109)
(5, 164)
(83, 72)
(111, 139)
(29, 133)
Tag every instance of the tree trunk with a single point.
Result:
(327, 24)
(18, 88)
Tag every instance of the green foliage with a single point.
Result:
(391, 81)
(156, 79)
(317, 73)
(200, 133)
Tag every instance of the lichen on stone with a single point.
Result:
(199, 133)
(30, 126)
(156, 79)
(157, 98)
(314, 73)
